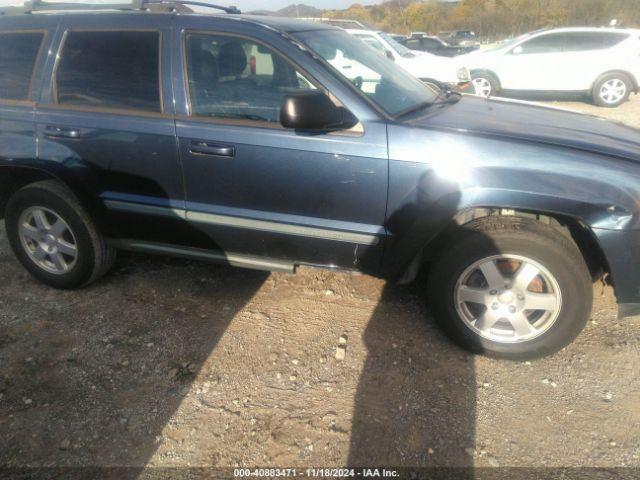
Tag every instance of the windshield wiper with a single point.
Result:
(448, 98)
(444, 97)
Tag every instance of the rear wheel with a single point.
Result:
(511, 288)
(54, 238)
(612, 90)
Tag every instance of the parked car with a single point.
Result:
(169, 134)
(463, 38)
(398, 37)
(435, 46)
(431, 69)
(600, 62)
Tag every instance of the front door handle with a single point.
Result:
(61, 132)
(205, 148)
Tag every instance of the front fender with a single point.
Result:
(414, 227)
(436, 178)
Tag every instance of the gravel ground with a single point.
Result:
(174, 363)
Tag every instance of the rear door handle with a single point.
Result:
(61, 132)
(200, 147)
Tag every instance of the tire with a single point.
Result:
(485, 83)
(611, 90)
(510, 244)
(76, 257)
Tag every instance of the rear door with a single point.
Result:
(23, 47)
(590, 54)
(255, 188)
(106, 120)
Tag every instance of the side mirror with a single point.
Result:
(390, 55)
(517, 51)
(314, 111)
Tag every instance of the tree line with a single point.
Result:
(491, 19)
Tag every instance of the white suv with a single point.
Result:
(604, 62)
(429, 68)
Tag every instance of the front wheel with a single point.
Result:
(511, 288)
(486, 84)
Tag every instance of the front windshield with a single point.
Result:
(372, 42)
(398, 47)
(378, 78)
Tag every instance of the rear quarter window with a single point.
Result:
(18, 54)
(110, 69)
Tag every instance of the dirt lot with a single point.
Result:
(174, 363)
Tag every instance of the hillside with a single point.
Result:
(291, 11)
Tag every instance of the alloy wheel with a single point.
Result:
(508, 298)
(612, 91)
(48, 240)
(482, 86)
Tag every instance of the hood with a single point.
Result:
(536, 123)
(435, 60)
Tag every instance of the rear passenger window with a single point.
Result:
(583, 41)
(18, 53)
(119, 69)
(231, 77)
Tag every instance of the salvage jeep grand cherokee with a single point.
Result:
(232, 138)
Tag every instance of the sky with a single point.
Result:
(248, 5)
(277, 4)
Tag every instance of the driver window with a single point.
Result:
(551, 43)
(232, 77)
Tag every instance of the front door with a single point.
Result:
(257, 189)
(536, 64)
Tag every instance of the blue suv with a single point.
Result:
(272, 143)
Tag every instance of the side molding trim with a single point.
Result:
(284, 228)
(248, 223)
(146, 209)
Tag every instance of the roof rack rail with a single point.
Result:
(31, 6)
(230, 9)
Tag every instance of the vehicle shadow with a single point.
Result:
(90, 379)
(415, 401)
